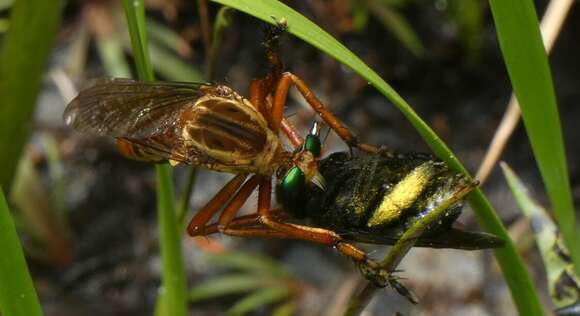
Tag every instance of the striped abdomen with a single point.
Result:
(232, 134)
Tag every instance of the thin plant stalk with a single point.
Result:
(173, 292)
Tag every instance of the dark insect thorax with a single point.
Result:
(357, 186)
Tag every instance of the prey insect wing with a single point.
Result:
(130, 109)
(453, 238)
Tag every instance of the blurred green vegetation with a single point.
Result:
(23, 58)
(17, 294)
(262, 280)
(563, 282)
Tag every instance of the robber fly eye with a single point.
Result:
(293, 183)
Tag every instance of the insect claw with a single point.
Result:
(380, 277)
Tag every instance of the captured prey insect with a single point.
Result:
(215, 127)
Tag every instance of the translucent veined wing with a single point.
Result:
(130, 109)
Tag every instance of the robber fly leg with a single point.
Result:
(236, 203)
(195, 226)
(246, 221)
(315, 234)
(249, 229)
(281, 93)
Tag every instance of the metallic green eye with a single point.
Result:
(293, 182)
(291, 191)
(312, 144)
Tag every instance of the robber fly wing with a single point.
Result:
(128, 108)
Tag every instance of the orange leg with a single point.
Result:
(269, 224)
(264, 105)
(236, 202)
(255, 93)
(315, 234)
(230, 212)
(280, 96)
(246, 221)
(195, 226)
(291, 133)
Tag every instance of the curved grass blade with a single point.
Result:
(173, 294)
(514, 271)
(23, 58)
(529, 71)
(17, 294)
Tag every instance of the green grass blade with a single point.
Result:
(515, 273)
(111, 53)
(563, 283)
(166, 37)
(287, 309)
(174, 285)
(222, 21)
(258, 299)
(172, 67)
(17, 294)
(396, 24)
(174, 280)
(527, 64)
(250, 262)
(23, 59)
(467, 16)
(135, 14)
(5, 4)
(226, 285)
